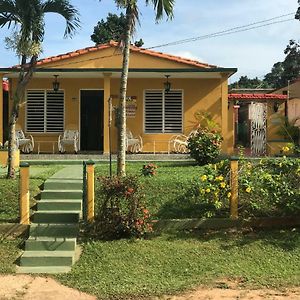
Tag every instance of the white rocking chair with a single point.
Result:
(70, 137)
(26, 144)
(179, 143)
(133, 144)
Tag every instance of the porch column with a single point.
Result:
(106, 113)
(224, 116)
(1, 109)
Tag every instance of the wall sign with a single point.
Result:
(131, 106)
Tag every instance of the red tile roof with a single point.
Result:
(257, 97)
(170, 57)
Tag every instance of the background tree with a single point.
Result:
(111, 29)
(161, 7)
(287, 70)
(27, 20)
(251, 83)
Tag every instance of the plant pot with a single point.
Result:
(4, 158)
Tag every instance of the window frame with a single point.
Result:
(45, 132)
(163, 111)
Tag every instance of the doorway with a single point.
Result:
(91, 116)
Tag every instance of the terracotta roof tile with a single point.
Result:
(257, 97)
(179, 59)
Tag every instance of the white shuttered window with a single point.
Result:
(45, 111)
(163, 111)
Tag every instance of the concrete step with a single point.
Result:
(58, 204)
(50, 244)
(54, 230)
(47, 258)
(43, 270)
(56, 216)
(61, 194)
(63, 184)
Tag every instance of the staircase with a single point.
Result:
(51, 245)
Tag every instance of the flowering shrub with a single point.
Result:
(205, 145)
(149, 169)
(269, 187)
(121, 213)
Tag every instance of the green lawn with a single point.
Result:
(173, 263)
(9, 191)
(167, 195)
(9, 252)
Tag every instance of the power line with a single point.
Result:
(228, 31)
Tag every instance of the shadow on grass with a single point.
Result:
(287, 239)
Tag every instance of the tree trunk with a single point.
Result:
(12, 144)
(121, 159)
(24, 78)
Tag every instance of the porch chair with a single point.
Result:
(70, 137)
(25, 144)
(178, 143)
(133, 144)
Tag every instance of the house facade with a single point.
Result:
(90, 78)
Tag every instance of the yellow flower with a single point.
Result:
(285, 149)
(223, 185)
(229, 195)
(219, 178)
(248, 189)
(203, 178)
(207, 190)
(202, 191)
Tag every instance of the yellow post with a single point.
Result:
(24, 193)
(1, 109)
(234, 166)
(106, 113)
(90, 191)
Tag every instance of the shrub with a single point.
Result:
(121, 213)
(269, 187)
(149, 170)
(205, 145)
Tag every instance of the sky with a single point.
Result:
(253, 52)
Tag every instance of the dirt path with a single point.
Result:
(25, 287)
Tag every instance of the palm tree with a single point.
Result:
(161, 7)
(27, 20)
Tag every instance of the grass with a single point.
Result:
(9, 191)
(167, 193)
(9, 252)
(172, 263)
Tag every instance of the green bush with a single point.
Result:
(205, 145)
(269, 187)
(121, 213)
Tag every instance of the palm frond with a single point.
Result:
(162, 7)
(65, 9)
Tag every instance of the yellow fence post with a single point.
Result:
(90, 190)
(234, 183)
(24, 194)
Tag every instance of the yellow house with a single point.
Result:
(89, 77)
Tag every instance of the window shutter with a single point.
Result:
(55, 111)
(173, 112)
(35, 110)
(153, 111)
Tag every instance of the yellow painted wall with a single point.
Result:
(198, 94)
